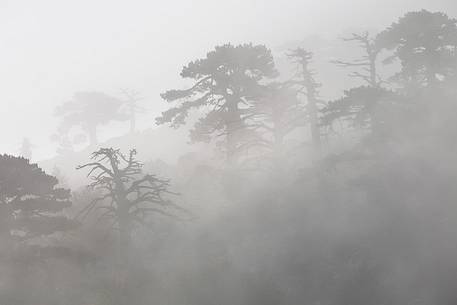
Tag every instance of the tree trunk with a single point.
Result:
(311, 93)
(123, 264)
(373, 73)
(233, 125)
(278, 137)
(314, 124)
(125, 230)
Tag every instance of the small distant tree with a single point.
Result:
(26, 149)
(224, 84)
(132, 98)
(307, 86)
(425, 43)
(89, 110)
(365, 68)
(30, 201)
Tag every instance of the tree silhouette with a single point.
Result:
(225, 83)
(89, 110)
(132, 98)
(32, 220)
(366, 66)
(30, 202)
(374, 109)
(26, 149)
(424, 43)
(278, 113)
(307, 85)
(127, 198)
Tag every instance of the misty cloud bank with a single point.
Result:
(260, 182)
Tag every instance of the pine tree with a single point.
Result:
(425, 43)
(225, 83)
(89, 110)
(31, 203)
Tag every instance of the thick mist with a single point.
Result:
(50, 49)
(228, 152)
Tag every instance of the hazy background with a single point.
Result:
(50, 49)
(305, 194)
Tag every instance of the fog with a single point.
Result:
(228, 152)
(50, 49)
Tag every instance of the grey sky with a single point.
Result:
(50, 49)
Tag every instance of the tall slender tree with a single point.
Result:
(277, 114)
(225, 83)
(364, 106)
(308, 86)
(365, 68)
(26, 148)
(132, 98)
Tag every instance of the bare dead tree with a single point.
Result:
(127, 197)
(365, 67)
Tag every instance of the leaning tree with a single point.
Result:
(224, 84)
(89, 110)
